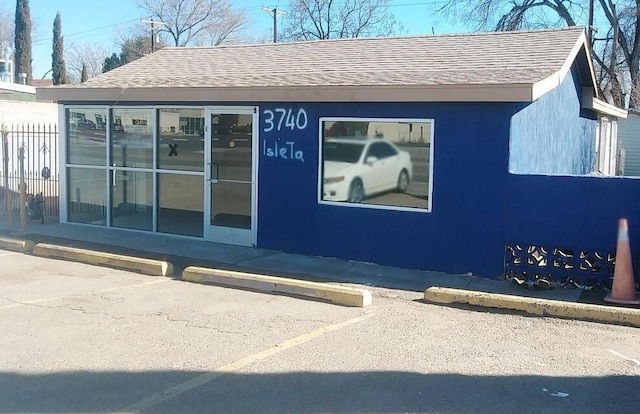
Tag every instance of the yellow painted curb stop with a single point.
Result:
(535, 306)
(135, 264)
(340, 295)
(24, 246)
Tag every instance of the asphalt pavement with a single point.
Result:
(78, 338)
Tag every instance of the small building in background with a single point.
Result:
(629, 142)
(18, 106)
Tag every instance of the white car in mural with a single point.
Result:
(356, 168)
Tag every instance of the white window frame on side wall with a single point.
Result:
(347, 204)
(606, 155)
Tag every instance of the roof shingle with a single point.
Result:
(474, 60)
(484, 58)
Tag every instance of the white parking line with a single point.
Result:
(200, 380)
(41, 300)
(618, 354)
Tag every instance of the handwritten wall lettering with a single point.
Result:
(283, 119)
(281, 115)
(287, 151)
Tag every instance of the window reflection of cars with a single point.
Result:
(232, 136)
(118, 128)
(355, 169)
(86, 124)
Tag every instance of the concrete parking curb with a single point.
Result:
(136, 264)
(535, 306)
(16, 245)
(340, 295)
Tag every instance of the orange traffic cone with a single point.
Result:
(624, 288)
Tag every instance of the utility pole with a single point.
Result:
(153, 25)
(274, 12)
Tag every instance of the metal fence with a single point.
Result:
(39, 146)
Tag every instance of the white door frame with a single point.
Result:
(227, 234)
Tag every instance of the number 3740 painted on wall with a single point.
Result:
(279, 119)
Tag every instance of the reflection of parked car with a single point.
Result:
(358, 168)
(86, 124)
(118, 128)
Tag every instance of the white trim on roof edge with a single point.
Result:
(607, 109)
(437, 93)
(550, 83)
(601, 107)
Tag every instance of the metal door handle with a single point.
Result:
(215, 172)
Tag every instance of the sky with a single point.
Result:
(98, 22)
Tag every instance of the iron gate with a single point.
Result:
(39, 144)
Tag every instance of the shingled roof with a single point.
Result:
(500, 66)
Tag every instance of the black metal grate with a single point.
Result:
(541, 266)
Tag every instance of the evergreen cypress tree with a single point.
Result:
(22, 40)
(111, 62)
(85, 74)
(58, 69)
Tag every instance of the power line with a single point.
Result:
(88, 31)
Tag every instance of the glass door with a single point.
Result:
(230, 191)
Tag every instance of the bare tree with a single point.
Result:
(189, 22)
(6, 26)
(623, 60)
(226, 26)
(507, 15)
(335, 19)
(616, 48)
(90, 55)
(634, 95)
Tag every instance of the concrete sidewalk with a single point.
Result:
(182, 252)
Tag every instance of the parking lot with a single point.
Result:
(84, 339)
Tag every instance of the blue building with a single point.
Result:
(420, 152)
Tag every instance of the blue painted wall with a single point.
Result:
(462, 233)
(576, 213)
(553, 135)
(478, 206)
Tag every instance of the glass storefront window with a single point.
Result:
(87, 196)
(132, 200)
(86, 136)
(181, 204)
(181, 139)
(132, 138)
(374, 162)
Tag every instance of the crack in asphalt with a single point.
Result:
(192, 324)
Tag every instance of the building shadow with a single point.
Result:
(314, 392)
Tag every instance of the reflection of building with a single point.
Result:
(409, 132)
(6, 63)
(510, 119)
(185, 120)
